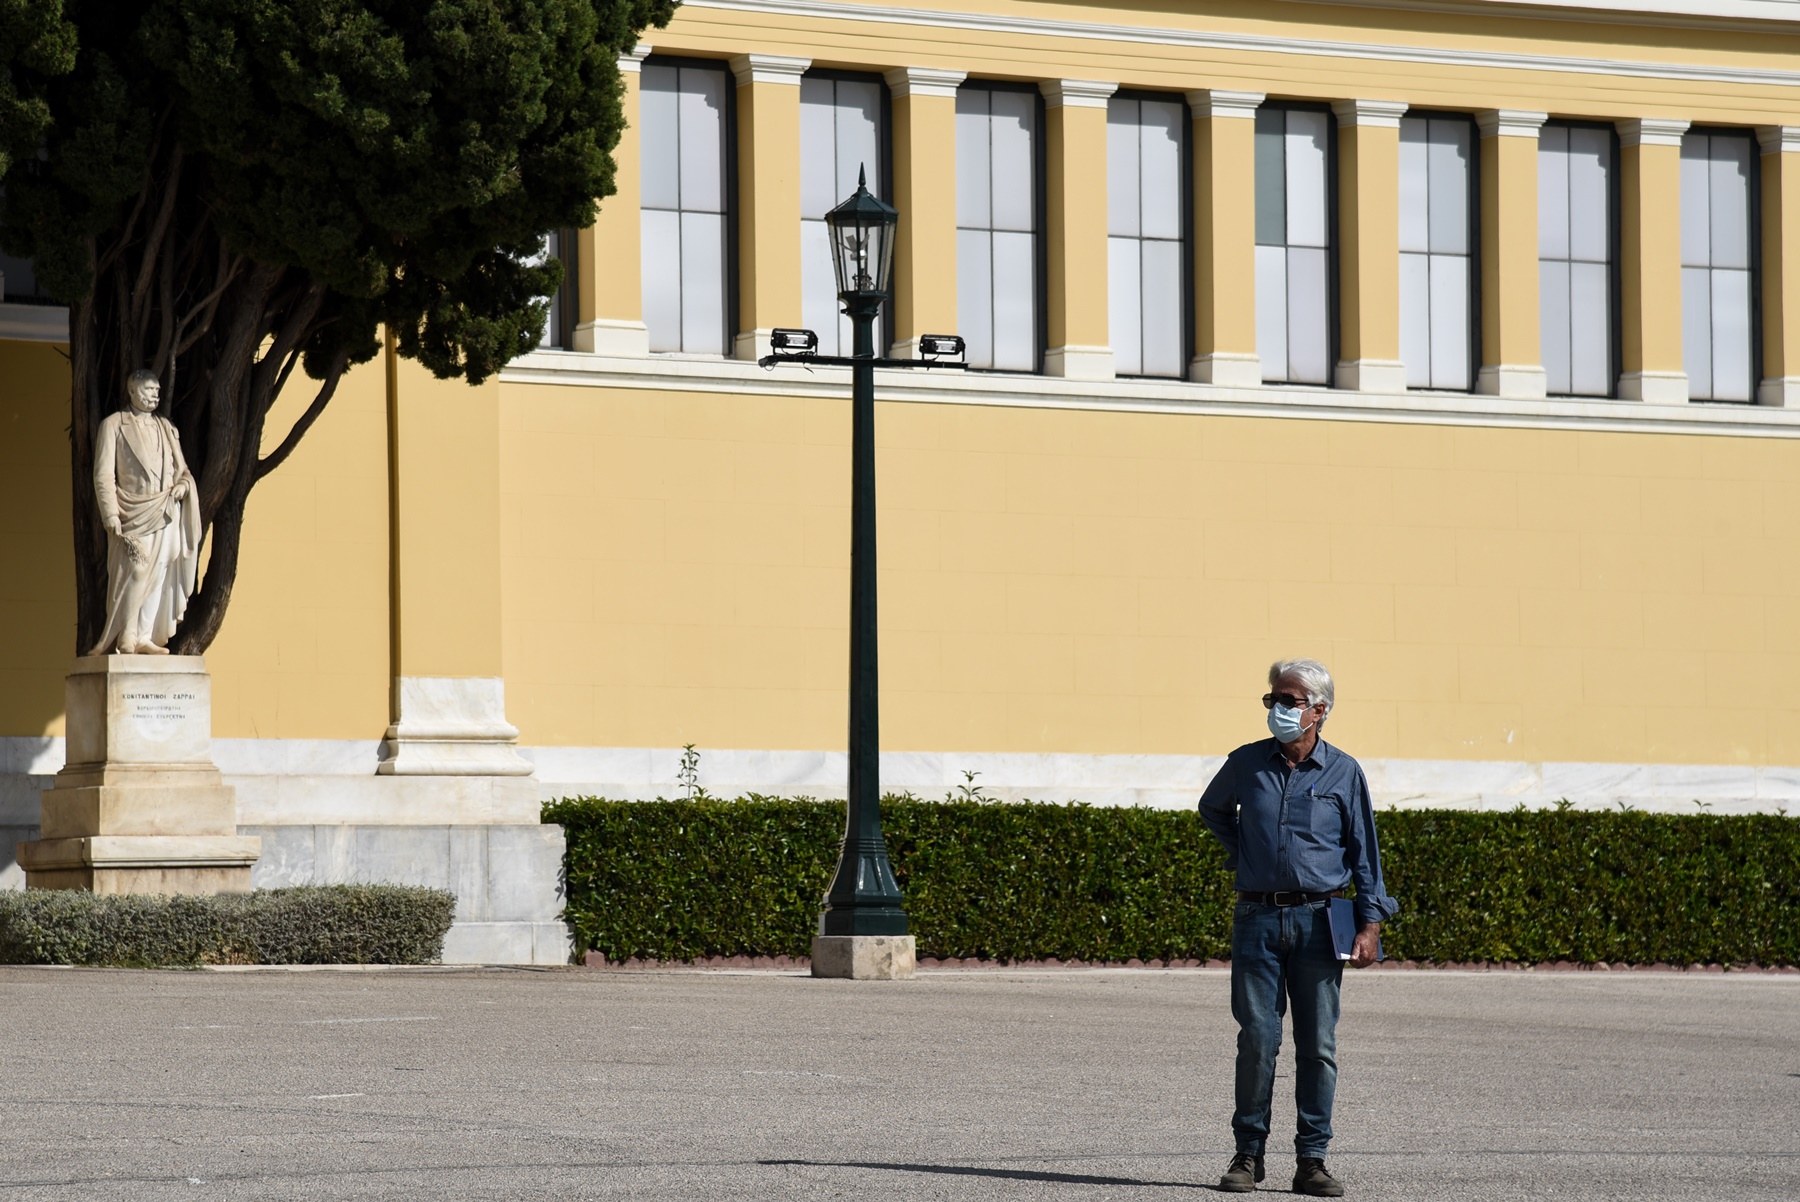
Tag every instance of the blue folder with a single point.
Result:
(1342, 912)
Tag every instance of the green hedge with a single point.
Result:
(676, 880)
(327, 924)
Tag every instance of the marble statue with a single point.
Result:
(151, 510)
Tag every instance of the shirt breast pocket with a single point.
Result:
(1325, 819)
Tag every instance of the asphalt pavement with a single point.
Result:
(1056, 1084)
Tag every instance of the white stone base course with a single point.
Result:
(865, 957)
(507, 879)
(299, 782)
(508, 943)
(1172, 782)
(326, 816)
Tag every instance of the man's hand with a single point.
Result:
(1368, 942)
(181, 490)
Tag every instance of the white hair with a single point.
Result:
(1312, 676)
(141, 376)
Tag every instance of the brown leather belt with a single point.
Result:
(1287, 897)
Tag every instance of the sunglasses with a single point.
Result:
(1288, 700)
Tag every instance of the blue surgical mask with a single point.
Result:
(1285, 724)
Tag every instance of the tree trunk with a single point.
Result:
(223, 334)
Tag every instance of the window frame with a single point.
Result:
(1040, 210)
(884, 150)
(1474, 235)
(566, 300)
(1186, 171)
(1756, 263)
(36, 297)
(1615, 250)
(1333, 240)
(729, 183)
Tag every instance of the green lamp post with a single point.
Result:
(864, 899)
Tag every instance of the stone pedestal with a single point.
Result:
(865, 957)
(139, 806)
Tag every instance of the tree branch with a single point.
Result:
(327, 387)
(281, 378)
(104, 262)
(226, 400)
(200, 315)
(153, 256)
(165, 216)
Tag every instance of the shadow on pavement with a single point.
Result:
(962, 1170)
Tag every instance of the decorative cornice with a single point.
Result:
(1076, 93)
(1216, 102)
(1690, 14)
(768, 68)
(672, 374)
(1510, 123)
(1190, 39)
(34, 323)
(1651, 131)
(924, 81)
(1375, 114)
(632, 61)
(1779, 139)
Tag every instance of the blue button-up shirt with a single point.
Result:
(1309, 827)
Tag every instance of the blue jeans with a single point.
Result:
(1282, 957)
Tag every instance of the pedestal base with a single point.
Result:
(452, 726)
(142, 863)
(865, 957)
(139, 806)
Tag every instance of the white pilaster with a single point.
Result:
(452, 726)
(1650, 131)
(1218, 102)
(923, 81)
(1375, 114)
(768, 68)
(1517, 381)
(1510, 123)
(1076, 93)
(1654, 387)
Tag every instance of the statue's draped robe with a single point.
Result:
(137, 464)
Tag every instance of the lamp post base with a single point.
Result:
(865, 957)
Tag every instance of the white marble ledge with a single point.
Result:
(326, 781)
(385, 800)
(44, 756)
(296, 757)
(41, 755)
(1165, 781)
(740, 377)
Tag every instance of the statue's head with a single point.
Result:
(144, 390)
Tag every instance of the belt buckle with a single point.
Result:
(1293, 898)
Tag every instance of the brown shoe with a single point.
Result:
(1243, 1174)
(1311, 1179)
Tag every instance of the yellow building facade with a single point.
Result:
(1455, 345)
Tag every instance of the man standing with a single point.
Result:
(151, 511)
(1294, 815)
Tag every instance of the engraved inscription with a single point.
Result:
(166, 706)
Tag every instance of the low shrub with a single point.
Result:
(1589, 886)
(318, 924)
(676, 880)
(673, 880)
